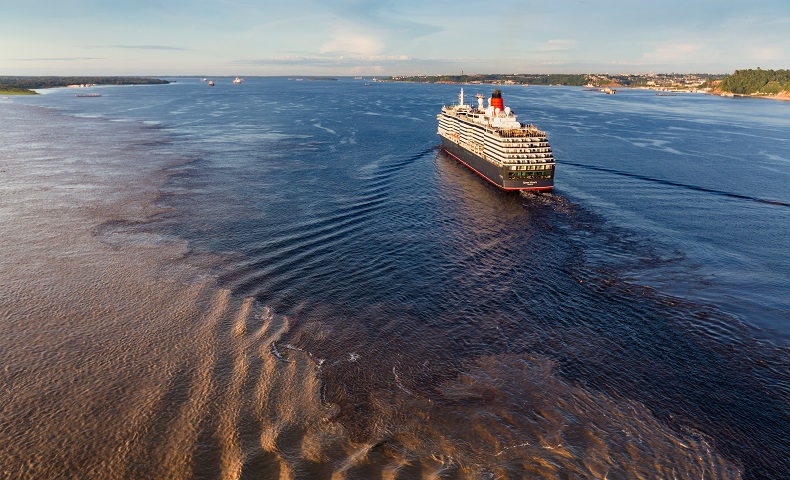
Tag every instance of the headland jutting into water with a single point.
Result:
(20, 85)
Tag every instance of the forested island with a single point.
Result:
(25, 85)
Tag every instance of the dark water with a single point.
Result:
(636, 319)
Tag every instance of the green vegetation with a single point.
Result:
(742, 82)
(666, 79)
(556, 79)
(649, 80)
(748, 82)
(15, 91)
(17, 85)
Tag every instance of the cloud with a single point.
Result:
(387, 17)
(678, 53)
(358, 42)
(326, 59)
(145, 47)
(766, 54)
(557, 45)
(62, 59)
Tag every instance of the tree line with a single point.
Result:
(747, 82)
(19, 83)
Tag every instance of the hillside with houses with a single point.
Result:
(755, 83)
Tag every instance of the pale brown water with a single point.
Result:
(122, 358)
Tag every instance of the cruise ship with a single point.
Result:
(495, 145)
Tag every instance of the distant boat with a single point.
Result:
(203, 79)
(211, 83)
(89, 95)
(237, 80)
(357, 78)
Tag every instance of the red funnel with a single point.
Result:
(496, 101)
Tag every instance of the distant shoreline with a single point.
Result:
(757, 83)
(782, 96)
(24, 85)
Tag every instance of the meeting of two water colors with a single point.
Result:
(383, 312)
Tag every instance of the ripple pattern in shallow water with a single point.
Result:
(381, 312)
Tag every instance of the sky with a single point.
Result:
(384, 37)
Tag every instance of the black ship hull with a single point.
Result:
(499, 176)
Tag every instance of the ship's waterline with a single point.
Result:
(231, 295)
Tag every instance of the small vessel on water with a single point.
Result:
(211, 83)
(494, 144)
(237, 80)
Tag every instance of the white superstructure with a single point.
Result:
(494, 134)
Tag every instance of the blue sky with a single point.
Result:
(404, 37)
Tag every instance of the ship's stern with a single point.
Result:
(528, 177)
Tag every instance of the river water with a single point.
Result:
(289, 279)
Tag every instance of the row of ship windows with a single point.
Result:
(523, 139)
(506, 140)
(519, 147)
(512, 146)
(504, 148)
(509, 136)
(523, 159)
(526, 157)
(528, 150)
(477, 130)
(540, 139)
(531, 167)
(530, 154)
(520, 135)
(545, 174)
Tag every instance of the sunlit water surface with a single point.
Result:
(380, 311)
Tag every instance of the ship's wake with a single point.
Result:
(679, 184)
